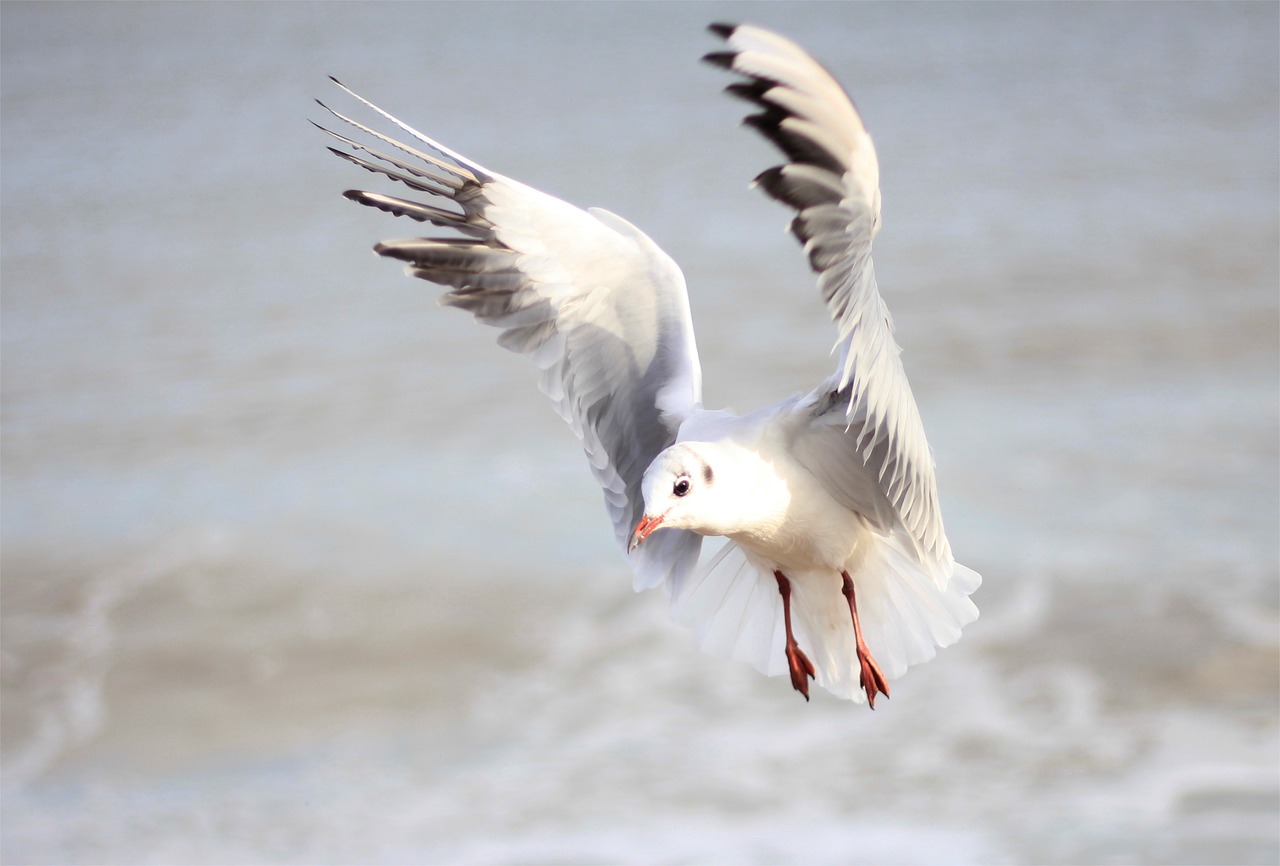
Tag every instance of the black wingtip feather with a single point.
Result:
(721, 29)
(766, 122)
(752, 91)
(723, 59)
(796, 147)
(770, 180)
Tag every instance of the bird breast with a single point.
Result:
(793, 522)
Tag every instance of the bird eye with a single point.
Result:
(681, 487)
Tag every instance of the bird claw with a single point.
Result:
(802, 669)
(872, 679)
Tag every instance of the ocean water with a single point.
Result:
(298, 568)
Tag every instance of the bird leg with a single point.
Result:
(872, 678)
(801, 668)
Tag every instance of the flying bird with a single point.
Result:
(835, 566)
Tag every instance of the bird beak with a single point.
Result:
(646, 525)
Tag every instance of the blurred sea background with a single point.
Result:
(299, 568)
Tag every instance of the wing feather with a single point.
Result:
(860, 430)
(599, 308)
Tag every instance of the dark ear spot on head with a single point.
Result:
(707, 474)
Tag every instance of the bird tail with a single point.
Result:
(905, 616)
(735, 611)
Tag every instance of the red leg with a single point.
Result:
(801, 668)
(872, 678)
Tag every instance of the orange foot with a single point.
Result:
(872, 678)
(801, 668)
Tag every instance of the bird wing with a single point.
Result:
(600, 309)
(861, 432)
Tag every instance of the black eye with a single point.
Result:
(681, 487)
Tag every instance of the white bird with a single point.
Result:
(836, 567)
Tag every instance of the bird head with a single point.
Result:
(676, 490)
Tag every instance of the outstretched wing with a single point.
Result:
(593, 301)
(863, 434)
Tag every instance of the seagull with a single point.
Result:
(834, 566)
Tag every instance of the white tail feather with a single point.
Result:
(735, 611)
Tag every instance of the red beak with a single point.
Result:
(646, 525)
